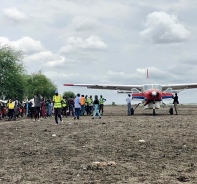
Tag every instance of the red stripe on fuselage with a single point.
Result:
(166, 95)
(68, 85)
(138, 95)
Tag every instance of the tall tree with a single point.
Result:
(69, 94)
(39, 83)
(11, 72)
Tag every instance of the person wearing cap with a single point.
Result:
(128, 100)
(57, 105)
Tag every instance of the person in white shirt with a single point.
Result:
(128, 100)
(77, 106)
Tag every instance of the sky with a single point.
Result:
(105, 42)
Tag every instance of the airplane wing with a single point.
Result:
(127, 88)
(3, 101)
(108, 86)
(180, 87)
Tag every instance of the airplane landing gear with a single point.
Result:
(132, 111)
(154, 112)
(154, 108)
(171, 111)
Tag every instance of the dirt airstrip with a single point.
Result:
(145, 149)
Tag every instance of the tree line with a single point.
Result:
(16, 83)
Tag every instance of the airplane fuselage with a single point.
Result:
(152, 98)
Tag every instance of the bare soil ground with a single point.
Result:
(104, 150)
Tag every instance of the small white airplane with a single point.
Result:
(150, 94)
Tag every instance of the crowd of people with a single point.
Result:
(39, 107)
(79, 106)
(11, 109)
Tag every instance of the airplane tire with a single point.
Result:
(171, 111)
(153, 112)
(132, 111)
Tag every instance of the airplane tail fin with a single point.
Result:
(147, 74)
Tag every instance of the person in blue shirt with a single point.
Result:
(77, 106)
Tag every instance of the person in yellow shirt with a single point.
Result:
(10, 106)
(90, 100)
(87, 105)
(57, 105)
(101, 104)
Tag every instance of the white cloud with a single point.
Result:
(93, 42)
(166, 5)
(49, 61)
(61, 76)
(164, 28)
(26, 44)
(40, 57)
(4, 41)
(139, 76)
(84, 23)
(36, 61)
(61, 62)
(14, 14)
(100, 9)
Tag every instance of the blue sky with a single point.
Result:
(105, 42)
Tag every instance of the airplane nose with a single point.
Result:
(154, 93)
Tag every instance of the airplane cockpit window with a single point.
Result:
(147, 86)
(152, 86)
(157, 86)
